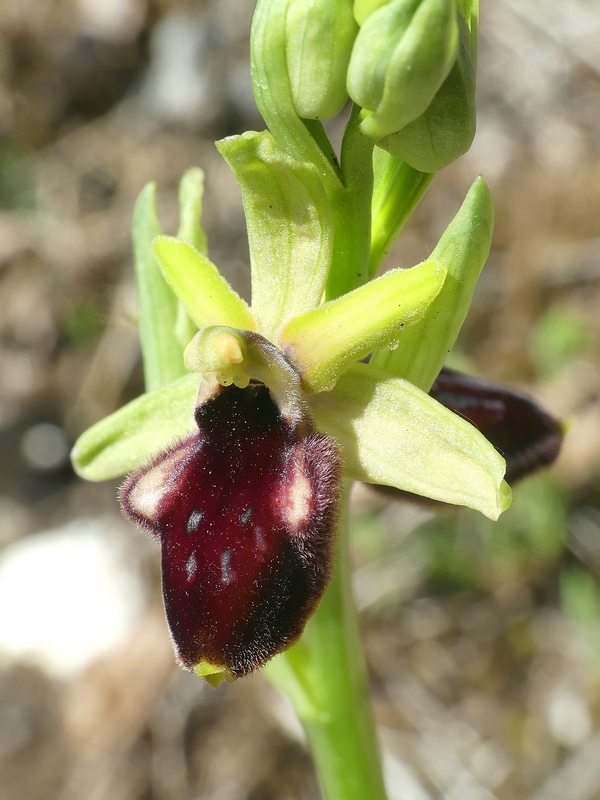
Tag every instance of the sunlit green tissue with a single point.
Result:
(290, 227)
(463, 249)
(400, 58)
(446, 129)
(324, 342)
(319, 39)
(363, 8)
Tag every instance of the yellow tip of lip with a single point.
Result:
(213, 674)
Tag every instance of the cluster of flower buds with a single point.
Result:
(409, 64)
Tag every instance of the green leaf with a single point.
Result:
(191, 191)
(206, 295)
(463, 250)
(394, 434)
(126, 439)
(162, 353)
(290, 227)
(324, 342)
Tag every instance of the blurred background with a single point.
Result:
(483, 640)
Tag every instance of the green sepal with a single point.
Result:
(191, 191)
(447, 127)
(463, 250)
(319, 39)
(162, 353)
(290, 228)
(394, 434)
(324, 342)
(397, 190)
(204, 292)
(123, 441)
(401, 56)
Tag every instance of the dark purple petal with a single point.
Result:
(522, 432)
(245, 512)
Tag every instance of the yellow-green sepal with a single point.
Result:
(203, 291)
(392, 433)
(123, 441)
(290, 228)
(324, 342)
(463, 249)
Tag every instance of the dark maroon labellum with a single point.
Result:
(520, 430)
(245, 512)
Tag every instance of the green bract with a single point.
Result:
(401, 57)
(306, 351)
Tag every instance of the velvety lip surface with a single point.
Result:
(245, 511)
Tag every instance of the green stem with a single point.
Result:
(351, 206)
(325, 678)
(397, 192)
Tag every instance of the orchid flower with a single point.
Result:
(236, 466)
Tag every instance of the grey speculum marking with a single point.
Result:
(226, 572)
(193, 521)
(190, 566)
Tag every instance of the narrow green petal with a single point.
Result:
(322, 343)
(126, 439)
(162, 353)
(394, 434)
(463, 250)
(206, 295)
(290, 227)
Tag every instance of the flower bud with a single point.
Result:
(401, 56)
(363, 8)
(319, 39)
(446, 129)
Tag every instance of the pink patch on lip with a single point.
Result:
(245, 512)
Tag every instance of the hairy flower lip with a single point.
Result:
(245, 511)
